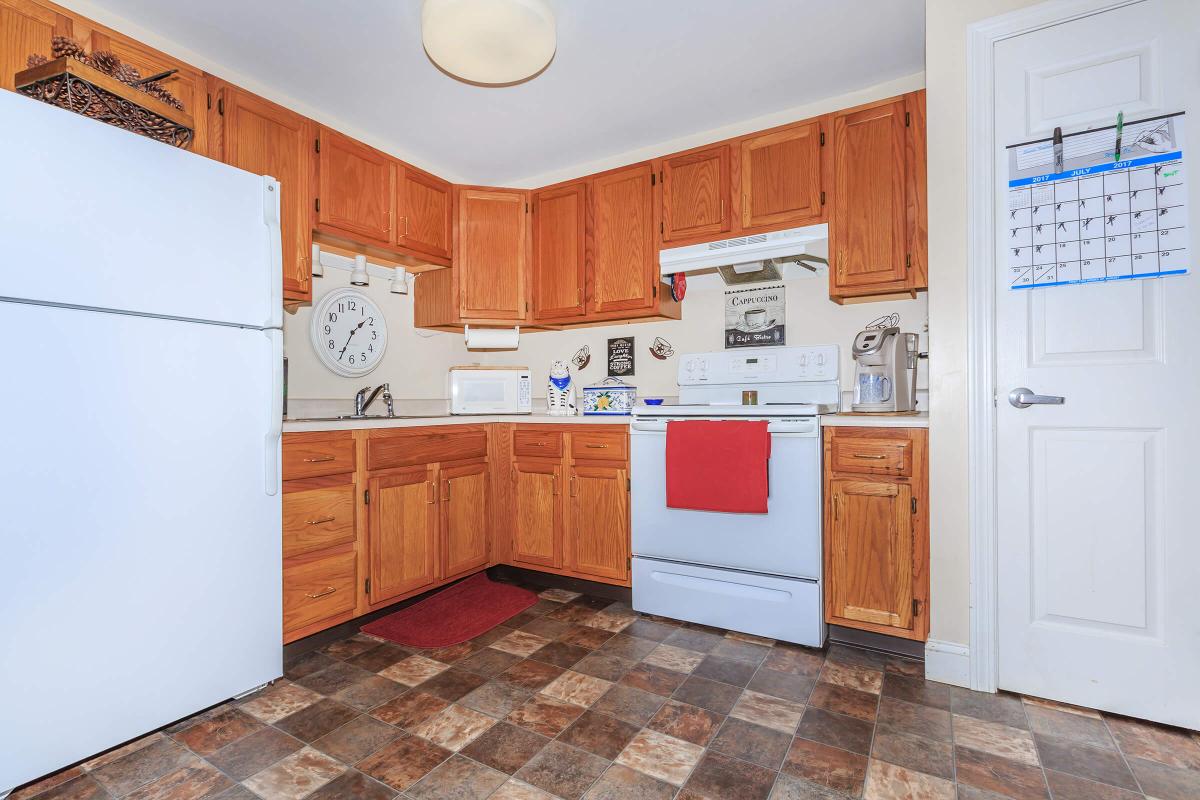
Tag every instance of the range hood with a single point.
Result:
(796, 251)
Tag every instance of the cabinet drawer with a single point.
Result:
(317, 518)
(872, 456)
(602, 446)
(537, 443)
(408, 448)
(317, 589)
(304, 458)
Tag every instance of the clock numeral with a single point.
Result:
(351, 359)
(371, 321)
(331, 344)
(333, 316)
(328, 330)
(351, 305)
(374, 335)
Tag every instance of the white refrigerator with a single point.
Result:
(140, 403)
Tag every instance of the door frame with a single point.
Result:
(983, 537)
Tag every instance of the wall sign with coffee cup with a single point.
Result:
(661, 349)
(620, 356)
(755, 317)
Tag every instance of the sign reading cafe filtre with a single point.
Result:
(755, 317)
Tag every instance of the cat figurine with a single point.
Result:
(560, 391)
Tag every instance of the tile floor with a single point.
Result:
(582, 698)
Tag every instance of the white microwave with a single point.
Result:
(490, 390)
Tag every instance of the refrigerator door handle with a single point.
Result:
(271, 216)
(272, 440)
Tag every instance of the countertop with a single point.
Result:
(862, 419)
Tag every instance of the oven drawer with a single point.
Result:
(788, 609)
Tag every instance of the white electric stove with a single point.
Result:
(755, 573)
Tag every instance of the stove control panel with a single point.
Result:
(760, 365)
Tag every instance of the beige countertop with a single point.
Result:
(307, 415)
(919, 419)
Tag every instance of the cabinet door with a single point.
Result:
(403, 533)
(868, 235)
(598, 532)
(871, 552)
(26, 28)
(559, 251)
(464, 519)
(424, 204)
(261, 137)
(537, 513)
(624, 266)
(781, 177)
(354, 193)
(694, 191)
(491, 257)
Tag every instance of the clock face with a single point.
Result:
(348, 332)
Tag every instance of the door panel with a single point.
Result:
(598, 533)
(402, 533)
(781, 176)
(872, 553)
(1098, 557)
(464, 518)
(559, 251)
(25, 28)
(425, 206)
(537, 513)
(355, 188)
(695, 188)
(491, 254)
(624, 266)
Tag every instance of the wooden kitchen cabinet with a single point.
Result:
(695, 192)
(877, 530)
(261, 137)
(537, 529)
(492, 254)
(403, 531)
(623, 274)
(355, 188)
(465, 514)
(877, 228)
(780, 179)
(424, 205)
(559, 252)
(598, 540)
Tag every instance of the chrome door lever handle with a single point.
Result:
(1024, 398)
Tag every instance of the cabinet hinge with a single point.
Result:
(907, 119)
(653, 178)
(908, 260)
(208, 100)
(913, 504)
(916, 607)
(661, 229)
(317, 144)
(367, 585)
(367, 497)
(221, 106)
(527, 208)
(317, 203)
(654, 290)
(628, 484)
(822, 198)
(822, 138)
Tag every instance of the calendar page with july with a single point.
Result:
(1106, 204)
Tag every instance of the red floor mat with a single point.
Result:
(453, 615)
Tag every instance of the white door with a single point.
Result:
(1099, 549)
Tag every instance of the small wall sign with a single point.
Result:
(755, 317)
(620, 356)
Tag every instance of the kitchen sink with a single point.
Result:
(356, 417)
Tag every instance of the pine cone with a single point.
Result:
(35, 60)
(105, 61)
(158, 91)
(127, 73)
(66, 46)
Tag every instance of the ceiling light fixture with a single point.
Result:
(489, 42)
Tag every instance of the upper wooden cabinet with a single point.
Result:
(261, 137)
(355, 188)
(425, 206)
(695, 189)
(559, 251)
(492, 254)
(877, 219)
(780, 177)
(623, 274)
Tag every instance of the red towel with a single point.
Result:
(718, 465)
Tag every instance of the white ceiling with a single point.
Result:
(627, 74)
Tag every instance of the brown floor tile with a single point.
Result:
(369, 692)
(689, 639)
(725, 670)
(713, 695)
(719, 777)
(75, 787)
(890, 782)
(505, 747)
(577, 688)
(741, 651)
(1171, 746)
(599, 733)
(357, 739)
(307, 665)
(622, 783)
(210, 735)
(1164, 782)
(827, 766)
(560, 654)
(1065, 708)
(932, 723)
(545, 715)
(496, 698)
(583, 636)
(999, 740)
(254, 753)
(455, 727)
(660, 756)
(458, 778)
(317, 720)
(379, 658)
(674, 658)
(795, 660)
(453, 653)
(789, 788)
(296, 776)
(1003, 776)
(764, 746)
(522, 619)
(239, 792)
(334, 678)
(843, 700)
(413, 670)
(1068, 725)
(653, 679)
(276, 702)
(966, 792)
(687, 722)
(1001, 707)
(1104, 765)
(1071, 787)
(632, 705)
(195, 780)
(488, 662)
(558, 596)
(913, 752)
(520, 643)
(404, 762)
(604, 665)
(531, 675)
(563, 770)
(860, 656)
(917, 690)
(409, 710)
(645, 629)
(93, 764)
(613, 621)
(853, 676)
(909, 667)
(796, 688)
(352, 785)
(346, 649)
(46, 784)
(141, 766)
(826, 727)
(771, 712)
(630, 647)
(547, 628)
(453, 684)
(490, 635)
(574, 614)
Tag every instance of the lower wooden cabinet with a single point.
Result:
(599, 522)
(464, 518)
(537, 513)
(318, 589)
(877, 531)
(402, 532)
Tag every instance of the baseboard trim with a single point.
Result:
(948, 662)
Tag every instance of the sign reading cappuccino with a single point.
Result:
(755, 317)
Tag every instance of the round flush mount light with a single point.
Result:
(489, 42)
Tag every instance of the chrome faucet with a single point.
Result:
(362, 401)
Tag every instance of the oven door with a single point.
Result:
(784, 541)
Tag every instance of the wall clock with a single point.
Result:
(348, 332)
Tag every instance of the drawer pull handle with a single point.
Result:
(540, 444)
(595, 446)
(319, 459)
(327, 590)
(862, 455)
(320, 521)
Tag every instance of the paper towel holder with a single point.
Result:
(491, 338)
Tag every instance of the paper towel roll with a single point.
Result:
(491, 338)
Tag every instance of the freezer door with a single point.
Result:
(141, 528)
(94, 216)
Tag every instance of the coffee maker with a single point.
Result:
(885, 370)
